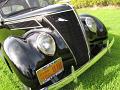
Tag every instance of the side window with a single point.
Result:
(13, 6)
(44, 3)
(11, 9)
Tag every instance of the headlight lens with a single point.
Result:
(91, 24)
(46, 44)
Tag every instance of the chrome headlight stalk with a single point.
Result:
(91, 24)
(46, 44)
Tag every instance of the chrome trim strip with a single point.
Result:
(20, 20)
(83, 30)
(61, 37)
(27, 28)
(28, 3)
(38, 23)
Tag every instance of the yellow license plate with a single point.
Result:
(50, 70)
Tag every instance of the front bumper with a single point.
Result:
(73, 76)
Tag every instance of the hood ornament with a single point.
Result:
(62, 20)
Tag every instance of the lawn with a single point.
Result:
(104, 75)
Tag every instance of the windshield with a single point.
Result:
(16, 6)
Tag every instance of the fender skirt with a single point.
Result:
(73, 76)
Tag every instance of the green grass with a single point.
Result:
(104, 75)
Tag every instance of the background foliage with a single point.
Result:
(91, 3)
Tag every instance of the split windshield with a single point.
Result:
(16, 6)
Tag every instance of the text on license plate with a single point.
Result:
(45, 73)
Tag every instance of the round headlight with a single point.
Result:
(46, 44)
(91, 24)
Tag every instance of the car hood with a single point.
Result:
(51, 9)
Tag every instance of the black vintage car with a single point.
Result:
(43, 42)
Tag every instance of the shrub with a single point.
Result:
(91, 3)
(74, 3)
(115, 2)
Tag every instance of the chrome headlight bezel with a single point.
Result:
(91, 24)
(46, 44)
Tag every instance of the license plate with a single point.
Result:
(50, 70)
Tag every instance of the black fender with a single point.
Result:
(23, 59)
(101, 34)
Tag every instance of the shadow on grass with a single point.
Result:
(102, 73)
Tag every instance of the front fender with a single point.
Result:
(101, 33)
(23, 59)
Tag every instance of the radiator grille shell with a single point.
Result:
(68, 26)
